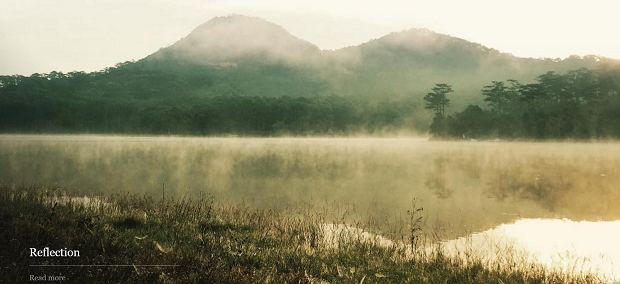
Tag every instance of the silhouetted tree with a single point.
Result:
(436, 100)
(501, 97)
(578, 104)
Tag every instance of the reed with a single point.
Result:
(211, 242)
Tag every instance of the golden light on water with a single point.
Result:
(577, 247)
(493, 200)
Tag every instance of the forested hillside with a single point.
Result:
(579, 104)
(243, 75)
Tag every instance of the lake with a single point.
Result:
(535, 194)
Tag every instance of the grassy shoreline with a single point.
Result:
(213, 243)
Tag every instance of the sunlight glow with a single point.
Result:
(71, 35)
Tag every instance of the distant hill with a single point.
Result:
(412, 61)
(401, 63)
(235, 57)
(225, 41)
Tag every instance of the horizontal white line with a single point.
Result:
(104, 265)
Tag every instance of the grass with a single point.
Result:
(218, 243)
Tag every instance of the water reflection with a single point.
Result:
(464, 187)
(563, 244)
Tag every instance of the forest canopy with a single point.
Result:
(579, 104)
(188, 100)
(216, 81)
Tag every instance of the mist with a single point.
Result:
(141, 30)
(310, 141)
(223, 41)
(462, 186)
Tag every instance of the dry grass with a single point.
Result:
(216, 243)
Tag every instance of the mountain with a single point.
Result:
(242, 55)
(226, 40)
(238, 72)
(265, 59)
(412, 61)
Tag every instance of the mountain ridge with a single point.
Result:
(223, 39)
(409, 61)
(234, 73)
(395, 38)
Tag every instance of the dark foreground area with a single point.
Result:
(199, 241)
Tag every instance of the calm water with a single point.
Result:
(557, 243)
(547, 198)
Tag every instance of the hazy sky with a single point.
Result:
(88, 35)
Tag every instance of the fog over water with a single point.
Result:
(558, 202)
(462, 186)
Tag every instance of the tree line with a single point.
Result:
(191, 99)
(186, 99)
(579, 104)
(35, 107)
(212, 116)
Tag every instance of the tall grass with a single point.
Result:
(210, 242)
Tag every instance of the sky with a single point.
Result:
(40, 36)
